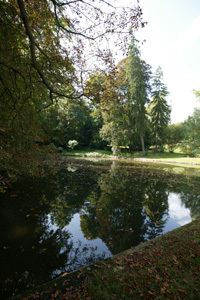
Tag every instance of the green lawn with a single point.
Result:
(86, 152)
(176, 157)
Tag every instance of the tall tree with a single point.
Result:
(138, 77)
(111, 94)
(106, 92)
(159, 109)
(112, 110)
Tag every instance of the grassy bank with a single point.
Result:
(86, 152)
(164, 157)
(167, 267)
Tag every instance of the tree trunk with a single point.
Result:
(115, 150)
(156, 142)
(142, 141)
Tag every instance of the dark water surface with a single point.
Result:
(86, 212)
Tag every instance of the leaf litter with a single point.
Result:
(167, 267)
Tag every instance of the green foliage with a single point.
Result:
(121, 97)
(197, 93)
(174, 135)
(110, 109)
(25, 78)
(42, 60)
(138, 76)
(87, 152)
(191, 145)
(113, 128)
(192, 134)
(159, 109)
(96, 141)
(68, 121)
(95, 88)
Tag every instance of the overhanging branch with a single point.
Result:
(33, 44)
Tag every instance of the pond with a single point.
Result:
(85, 212)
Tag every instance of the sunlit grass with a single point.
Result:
(176, 157)
(87, 152)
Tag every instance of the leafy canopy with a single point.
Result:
(46, 47)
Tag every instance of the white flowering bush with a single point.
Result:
(72, 144)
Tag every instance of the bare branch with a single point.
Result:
(64, 3)
(65, 29)
(28, 29)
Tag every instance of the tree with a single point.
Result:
(138, 76)
(35, 71)
(112, 110)
(197, 93)
(44, 49)
(191, 127)
(106, 92)
(94, 88)
(159, 109)
(111, 94)
(192, 134)
(174, 134)
(67, 121)
(97, 122)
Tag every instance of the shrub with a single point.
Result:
(72, 144)
(60, 149)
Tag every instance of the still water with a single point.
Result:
(86, 212)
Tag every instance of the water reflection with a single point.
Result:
(177, 210)
(88, 250)
(119, 211)
(87, 212)
(156, 207)
(27, 243)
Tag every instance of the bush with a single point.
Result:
(195, 153)
(60, 149)
(72, 144)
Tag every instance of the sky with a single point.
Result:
(173, 42)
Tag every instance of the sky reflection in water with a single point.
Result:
(87, 212)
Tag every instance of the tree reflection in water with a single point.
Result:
(31, 252)
(120, 204)
(130, 208)
(156, 207)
